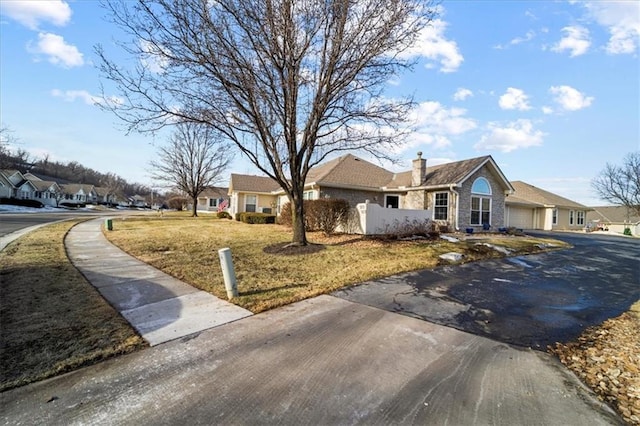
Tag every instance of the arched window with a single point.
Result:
(481, 202)
(481, 186)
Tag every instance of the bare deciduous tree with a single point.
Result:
(290, 82)
(193, 159)
(620, 185)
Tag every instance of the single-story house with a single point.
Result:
(77, 193)
(530, 207)
(105, 195)
(213, 199)
(614, 219)
(463, 194)
(9, 182)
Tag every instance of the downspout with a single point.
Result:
(457, 205)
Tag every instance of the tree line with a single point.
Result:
(69, 172)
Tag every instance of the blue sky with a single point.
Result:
(550, 89)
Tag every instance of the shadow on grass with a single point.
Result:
(286, 249)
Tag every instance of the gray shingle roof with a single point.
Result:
(612, 214)
(252, 183)
(528, 194)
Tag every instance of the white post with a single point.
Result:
(228, 273)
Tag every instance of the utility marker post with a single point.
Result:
(226, 263)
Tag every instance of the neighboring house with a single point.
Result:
(47, 192)
(614, 219)
(463, 194)
(213, 199)
(10, 180)
(76, 193)
(530, 207)
(105, 195)
(138, 201)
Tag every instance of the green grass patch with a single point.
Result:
(271, 275)
(52, 319)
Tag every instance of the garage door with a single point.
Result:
(520, 217)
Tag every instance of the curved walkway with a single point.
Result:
(160, 307)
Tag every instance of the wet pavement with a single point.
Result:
(531, 301)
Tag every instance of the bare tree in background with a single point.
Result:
(620, 185)
(193, 159)
(290, 82)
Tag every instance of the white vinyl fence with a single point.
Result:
(372, 219)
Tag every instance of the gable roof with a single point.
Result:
(252, 183)
(612, 214)
(74, 188)
(42, 185)
(214, 192)
(531, 195)
(350, 171)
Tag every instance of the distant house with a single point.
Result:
(463, 194)
(10, 180)
(77, 194)
(530, 207)
(138, 201)
(614, 219)
(214, 199)
(105, 195)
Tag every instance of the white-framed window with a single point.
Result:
(481, 186)
(481, 203)
(580, 215)
(554, 217)
(392, 201)
(441, 206)
(308, 195)
(571, 217)
(480, 210)
(213, 202)
(250, 203)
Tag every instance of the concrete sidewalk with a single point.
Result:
(160, 307)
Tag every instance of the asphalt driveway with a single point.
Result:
(530, 301)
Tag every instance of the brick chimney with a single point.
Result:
(419, 170)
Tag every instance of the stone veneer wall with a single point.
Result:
(497, 200)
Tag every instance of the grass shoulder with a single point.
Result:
(53, 320)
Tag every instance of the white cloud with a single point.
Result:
(576, 40)
(154, 57)
(547, 110)
(462, 94)
(58, 52)
(622, 20)
(433, 118)
(514, 99)
(434, 46)
(570, 99)
(514, 135)
(31, 12)
(72, 95)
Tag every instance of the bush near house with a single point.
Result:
(259, 218)
(223, 215)
(320, 215)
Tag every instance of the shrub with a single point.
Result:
(223, 215)
(412, 228)
(177, 203)
(319, 215)
(627, 231)
(255, 218)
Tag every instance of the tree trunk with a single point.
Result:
(194, 208)
(297, 219)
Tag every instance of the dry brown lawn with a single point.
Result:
(269, 274)
(52, 320)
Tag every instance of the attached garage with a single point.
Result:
(520, 217)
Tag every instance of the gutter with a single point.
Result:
(457, 205)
